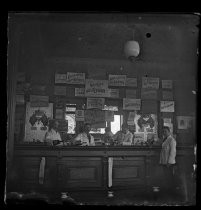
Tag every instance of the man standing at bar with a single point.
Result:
(84, 138)
(123, 137)
(167, 157)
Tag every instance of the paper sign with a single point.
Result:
(79, 115)
(39, 101)
(95, 103)
(167, 95)
(75, 78)
(167, 106)
(117, 80)
(59, 114)
(167, 120)
(138, 138)
(96, 88)
(130, 93)
(131, 104)
(148, 94)
(60, 78)
(167, 84)
(131, 82)
(109, 116)
(131, 117)
(113, 93)
(150, 82)
(80, 92)
(60, 90)
(94, 116)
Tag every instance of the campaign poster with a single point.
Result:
(131, 104)
(117, 80)
(150, 82)
(75, 78)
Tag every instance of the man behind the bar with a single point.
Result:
(84, 138)
(167, 158)
(123, 137)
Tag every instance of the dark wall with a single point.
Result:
(94, 45)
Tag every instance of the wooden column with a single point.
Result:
(13, 52)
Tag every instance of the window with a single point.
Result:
(70, 116)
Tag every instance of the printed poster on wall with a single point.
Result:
(113, 93)
(183, 122)
(146, 126)
(96, 88)
(131, 104)
(60, 90)
(117, 80)
(167, 106)
(95, 103)
(75, 78)
(80, 92)
(167, 84)
(36, 121)
(39, 101)
(79, 115)
(94, 116)
(130, 93)
(131, 82)
(60, 78)
(150, 82)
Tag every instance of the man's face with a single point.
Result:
(166, 132)
(56, 125)
(124, 129)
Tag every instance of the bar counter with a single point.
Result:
(75, 168)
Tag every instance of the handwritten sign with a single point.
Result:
(150, 82)
(94, 116)
(131, 104)
(80, 92)
(167, 95)
(75, 78)
(79, 115)
(95, 103)
(60, 90)
(60, 78)
(148, 94)
(39, 101)
(113, 93)
(117, 80)
(131, 82)
(167, 106)
(131, 93)
(109, 116)
(96, 88)
(167, 84)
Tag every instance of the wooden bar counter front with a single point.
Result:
(86, 168)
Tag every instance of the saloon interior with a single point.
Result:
(142, 65)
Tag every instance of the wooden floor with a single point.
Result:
(121, 198)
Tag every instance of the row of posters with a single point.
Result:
(113, 80)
